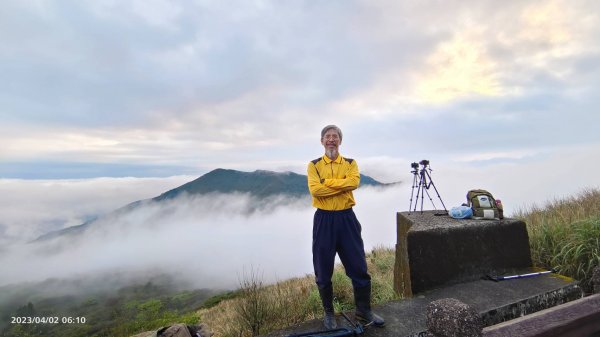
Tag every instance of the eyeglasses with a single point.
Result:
(331, 137)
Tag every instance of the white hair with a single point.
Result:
(329, 127)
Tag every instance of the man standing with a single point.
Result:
(331, 180)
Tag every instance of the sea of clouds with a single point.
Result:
(208, 240)
(211, 240)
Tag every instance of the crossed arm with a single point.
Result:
(329, 187)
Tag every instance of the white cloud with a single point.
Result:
(210, 237)
(31, 208)
(517, 154)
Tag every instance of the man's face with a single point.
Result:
(331, 141)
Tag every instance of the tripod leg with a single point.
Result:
(419, 188)
(430, 199)
(436, 192)
(422, 198)
(423, 185)
(414, 184)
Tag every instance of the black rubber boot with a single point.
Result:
(327, 299)
(364, 314)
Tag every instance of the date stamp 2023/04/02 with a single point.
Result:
(47, 320)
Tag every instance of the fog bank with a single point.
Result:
(209, 240)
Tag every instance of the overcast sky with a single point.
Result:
(163, 88)
(498, 95)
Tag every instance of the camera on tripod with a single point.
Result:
(423, 177)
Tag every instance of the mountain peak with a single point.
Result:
(259, 184)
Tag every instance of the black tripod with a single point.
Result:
(425, 182)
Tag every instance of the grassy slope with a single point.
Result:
(565, 234)
(263, 308)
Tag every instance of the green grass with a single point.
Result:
(263, 308)
(565, 235)
(125, 312)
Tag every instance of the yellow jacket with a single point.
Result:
(331, 182)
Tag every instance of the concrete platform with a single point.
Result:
(495, 301)
(434, 251)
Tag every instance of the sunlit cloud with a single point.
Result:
(547, 22)
(460, 68)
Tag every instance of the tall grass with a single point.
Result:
(261, 308)
(565, 235)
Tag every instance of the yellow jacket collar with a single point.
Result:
(337, 160)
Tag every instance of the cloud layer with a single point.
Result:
(31, 208)
(210, 240)
(214, 239)
(173, 87)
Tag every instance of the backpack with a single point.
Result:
(483, 204)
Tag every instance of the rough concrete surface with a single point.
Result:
(494, 300)
(450, 317)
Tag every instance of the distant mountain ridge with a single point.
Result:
(260, 184)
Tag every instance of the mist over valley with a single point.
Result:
(207, 239)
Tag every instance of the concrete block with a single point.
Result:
(441, 250)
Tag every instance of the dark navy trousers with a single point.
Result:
(338, 232)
